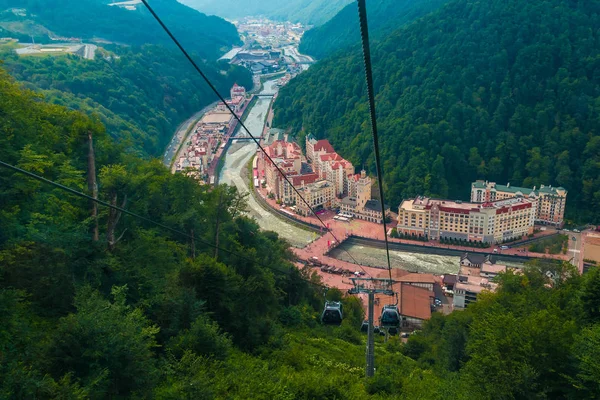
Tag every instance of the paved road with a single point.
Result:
(90, 51)
(575, 249)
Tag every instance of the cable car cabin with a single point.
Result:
(332, 314)
(390, 317)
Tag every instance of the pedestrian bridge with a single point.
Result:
(265, 95)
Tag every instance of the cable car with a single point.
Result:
(364, 328)
(390, 317)
(332, 313)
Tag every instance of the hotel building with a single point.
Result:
(550, 201)
(490, 222)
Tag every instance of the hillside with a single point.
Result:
(140, 94)
(311, 12)
(208, 36)
(154, 314)
(506, 91)
(384, 16)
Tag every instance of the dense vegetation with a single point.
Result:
(140, 94)
(312, 12)
(206, 35)
(501, 90)
(384, 16)
(109, 306)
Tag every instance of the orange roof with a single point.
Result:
(415, 302)
(417, 278)
(307, 178)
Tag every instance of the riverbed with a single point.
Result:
(234, 167)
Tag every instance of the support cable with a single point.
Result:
(238, 119)
(364, 33)
(124, 211)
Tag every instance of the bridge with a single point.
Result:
(265, 95)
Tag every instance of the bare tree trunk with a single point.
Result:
(113, 219)
(93, 186)
(218, 224)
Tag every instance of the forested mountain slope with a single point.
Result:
(384, 16)
(140, 94)
(208, 36)
(141, 312)
(313, 12)
(500, 90)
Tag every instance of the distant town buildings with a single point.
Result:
(490, 222)
(210, 135)
(550, 201)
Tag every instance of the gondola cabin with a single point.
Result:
(390, 317)
(332, 314)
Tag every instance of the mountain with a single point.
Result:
(141, 88)
(157, 315)
(384, 16)
(506, 91)
(208, 36)
(308, 12)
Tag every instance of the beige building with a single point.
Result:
(491, 222)
(550, 201)
(362, 206)
(319, 195)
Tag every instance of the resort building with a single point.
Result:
(319, 195)
(363, 206)
(329, 164)
(550, 201)
(490, 222)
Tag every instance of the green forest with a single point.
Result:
(208, 36)
(99, 304)
(506, 91)
(139, 94)
(342, 31)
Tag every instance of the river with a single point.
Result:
(234, 166)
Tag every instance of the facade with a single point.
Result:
(550, 201)
(490, 222)
(362, 206)
(319, 195)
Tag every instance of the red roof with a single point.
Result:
(324, 145)
(417, 278)
(307, 178)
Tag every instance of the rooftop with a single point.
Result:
(217, 118)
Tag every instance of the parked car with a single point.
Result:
(576, 230)
(495, 250)
(504, 247)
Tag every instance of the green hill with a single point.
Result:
(208, 36)
(156, 315)
(501, 90)
(140, 94)
(312, 12)
(342, 30)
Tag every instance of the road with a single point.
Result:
(181, 132)
(90, 51)
(575, 249)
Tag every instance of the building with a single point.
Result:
(425, 281)
(319, 195)
(550, 201)
(363, 206)
(315, 148)
(475, 275)
(490, 222)
(475, 260)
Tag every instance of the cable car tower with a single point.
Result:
(371, 286)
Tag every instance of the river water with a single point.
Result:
(234, 166)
